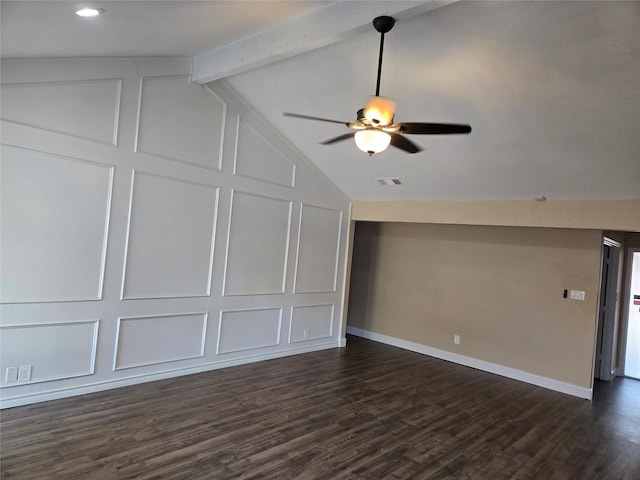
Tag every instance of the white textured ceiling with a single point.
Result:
(50, 28)
(551, 89)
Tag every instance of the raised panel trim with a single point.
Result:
(333, 312)
(205, 317)
(126, 246)
(217, 167)
(94, 348)
(105, 238)
(222, 312)
(291, 184)
(226, 253)
(335, 270)
(117, 102)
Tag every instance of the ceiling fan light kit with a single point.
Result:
(372, 141)
(374, 127)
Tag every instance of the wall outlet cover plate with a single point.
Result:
(577, 294)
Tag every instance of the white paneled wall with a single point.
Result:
(258, 245)
(318, 249)
(191, 121)
(55, 215)
(311, 322)
(74, 357)
(259, 159)
(170, 238)
(38, 104)
(182, 335)
(242, 330)
(152, 227)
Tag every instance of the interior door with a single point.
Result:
(607, 312)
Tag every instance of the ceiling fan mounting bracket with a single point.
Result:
(383, 24)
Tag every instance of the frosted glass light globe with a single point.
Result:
(372, 141)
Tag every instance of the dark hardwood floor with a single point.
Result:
(369, 411)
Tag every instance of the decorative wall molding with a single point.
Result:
(163, 182)
(40, 105)
(248, 329)
(184, 127)
(313, 326)
(257, 158)
(37, 249)
(317, 248)
(162, 333)
(531, 378)
(13, 355)
(184, 239)
(257, 245)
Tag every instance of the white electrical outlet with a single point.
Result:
(577, 295)
(456, 339)
(24, 373)
(305, 334)
(11, 375)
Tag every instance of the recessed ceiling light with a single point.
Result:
(89, 12)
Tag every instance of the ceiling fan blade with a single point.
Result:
(403, 143)
(308, 117)
(414, 128)
(333, 140)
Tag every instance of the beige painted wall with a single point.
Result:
(499, 288)
(584, 214)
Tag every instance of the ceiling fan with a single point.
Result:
(374, 127)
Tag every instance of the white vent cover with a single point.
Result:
(389, 181)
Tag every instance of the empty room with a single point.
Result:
(297, 239)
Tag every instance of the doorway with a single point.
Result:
(608, 309)
(631, 357)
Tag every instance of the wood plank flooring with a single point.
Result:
(369, 411)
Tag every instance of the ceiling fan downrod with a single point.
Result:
(383, 25)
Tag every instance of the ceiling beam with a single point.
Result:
(335, 22)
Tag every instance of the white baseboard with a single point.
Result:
(151, 377)
(342, 342)
(533, 379)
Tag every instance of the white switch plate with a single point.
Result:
(24, 373)
(577, 294)
(11, 375)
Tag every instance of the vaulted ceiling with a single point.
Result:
(551, 89)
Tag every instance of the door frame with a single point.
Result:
(607, 332)
(624, 323)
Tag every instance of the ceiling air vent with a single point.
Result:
(389, 181)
